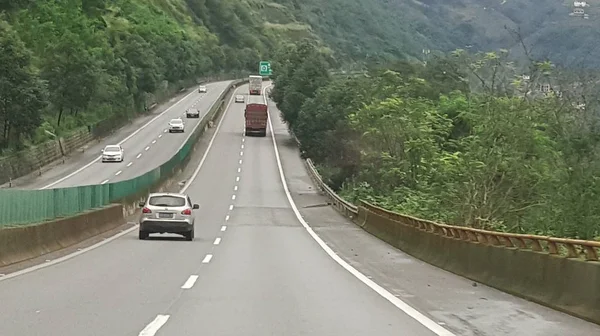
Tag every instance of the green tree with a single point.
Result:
(22, 93)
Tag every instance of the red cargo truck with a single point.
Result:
(256, 119)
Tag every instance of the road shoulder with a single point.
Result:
(458, 304)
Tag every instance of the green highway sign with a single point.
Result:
(264, 68)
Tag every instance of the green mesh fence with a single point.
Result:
(23, 207)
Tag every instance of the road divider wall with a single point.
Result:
(36, 158)
(27, 242)
(25, 207)
(563, 274)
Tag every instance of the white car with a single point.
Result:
(202, 89)
(176, 125)
(112, 153)
(239, 99)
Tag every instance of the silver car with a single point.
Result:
(192, 113)
(176, 125)
(202, 89)
(239, 99)
(167, 213)
(112, 153)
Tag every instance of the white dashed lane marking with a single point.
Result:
(147, 148)
(104, 182)
(118, 173)
(217, 241)
(207, 259)
(223, 228)
(230, 207)
(190, 282)
(152, 328)
(129, 164)
(138, 156)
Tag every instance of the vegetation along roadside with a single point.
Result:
(467, 139)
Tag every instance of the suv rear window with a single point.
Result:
(167, 201)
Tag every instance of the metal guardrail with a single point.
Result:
(572, 248)
(339, 203)
(569, 248)
(23, 207)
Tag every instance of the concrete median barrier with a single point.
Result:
(570, 285)
(21, 243)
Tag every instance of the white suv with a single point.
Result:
(202, 89)
(176, 125)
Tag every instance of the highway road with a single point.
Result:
(146, 144)
(256, 268)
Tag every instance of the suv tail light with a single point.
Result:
(146, 210)
(186, 212)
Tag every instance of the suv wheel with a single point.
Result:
(143, 235)
(189, 236)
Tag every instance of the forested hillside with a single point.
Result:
(461, 140)
(370, 30)
(68, 63)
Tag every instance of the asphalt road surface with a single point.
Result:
(254, 269)
(147, 144)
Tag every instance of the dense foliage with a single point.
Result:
(71, 62)
(465, 140)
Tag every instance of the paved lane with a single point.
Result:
(118, 288)
(268, 276)
(146, 147)
(254, 270)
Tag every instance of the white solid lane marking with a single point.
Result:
(120, 143)
(153, 141)
(233, 197)
(129, 164)
(138, 156)
(223, 228)
(104, 182)
(190, 282)
(237, 179)
(230, 207)
(217, 241)
(240, 161)
(410, 311)
(207, 259)
(239, 170)
(118, 173)
(210, 143)
(147, 148)
(152, 328)
(235, 188)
